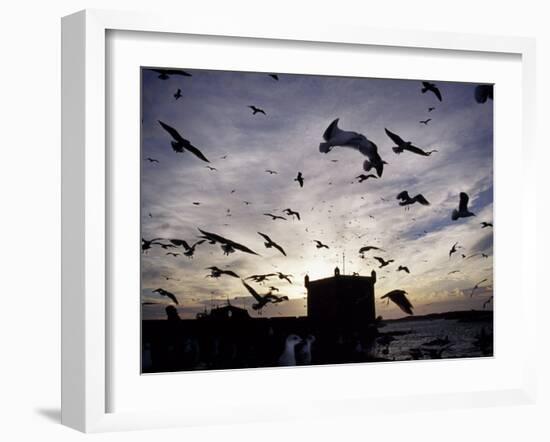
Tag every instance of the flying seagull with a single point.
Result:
(256, 110)
(368, 248)
(454, 249)
(164, 74)
(191, 249)
(146, 244)
(403, 268)
(180, 144)
(334, 136)
(177, 95)
(163, 292)
(300, 179)
(425, 122)
(383, 262)
(271, 172)
(285, 277)
(462, 211)
(364, 177)
(152, 160)
(227, 245)
(213, 169)
(290, 212)
(486, 224)
(274, 76)
(275, 217)
(406, 200)
(175, 255)
(320, 245)
(477, 286)
(427, 86)
(216, 272)
(262, 300)
(483, 92)
(270, 243)
(403, 145)
(261, 278)
(399, 298)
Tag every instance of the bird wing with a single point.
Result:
(331, 129)
(437, 92)
(253, 292)
(196, 152)
(420, 199)
(394, 137)
(403, 196)
(240, 247)
(401, 300)
(180, 242)
(279, 248)
(463, 205)
(173, 132)
(172, 72)
(416, 150)
(380, 260)
(297, 215)
(230, 273)
(267, 238)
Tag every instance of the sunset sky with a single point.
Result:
(335, 209)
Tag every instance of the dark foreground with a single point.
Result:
(213, 344)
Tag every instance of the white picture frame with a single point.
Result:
(85, 211)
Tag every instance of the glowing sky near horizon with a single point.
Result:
(334, 207)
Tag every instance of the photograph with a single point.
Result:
(303, 219)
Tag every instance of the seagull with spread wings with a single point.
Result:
(270, 243)
(336, 137)
(406, 200)
(256, 110)
(383, 262)
(164, 74)
(427, 86)
(292, 213)
(180, 144)
(320, 245)
(228, 246)
(262, 300)
(400, 299)
(216, 272)
(402, 145)
(166, 293)
(368, 248)
(477, 286)
(275, 217)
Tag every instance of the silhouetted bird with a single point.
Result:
(483, 92)
(290, 212)
(320, 245)
(398, 297)
(275, 217)
(431, 109)
(179, 243)
(334, 136)
(462, 211)
(227, 245)
(403, 145)
(427, 86)
(383, 262)
(484, 255)
(262, 300)
(177, 95)
(166, 73)
(406, 200)
(256, 110)
(454, 271)
(300, 179)
(152, 160)
(404, 268)
(273, 289)
(166, 293)
(211, 168)
(285, 277)
(216, 272)
(271, 172)
(454, 249)
(368, 248)
(425, 122)
(180, 144)
(364, 177)
(146, 245)
(191, 249)
(270, 243)
(477, 286)
(174, 254)
(261, 278)
(274, 76)
(486, 224)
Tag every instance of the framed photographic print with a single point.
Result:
(288, 208)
